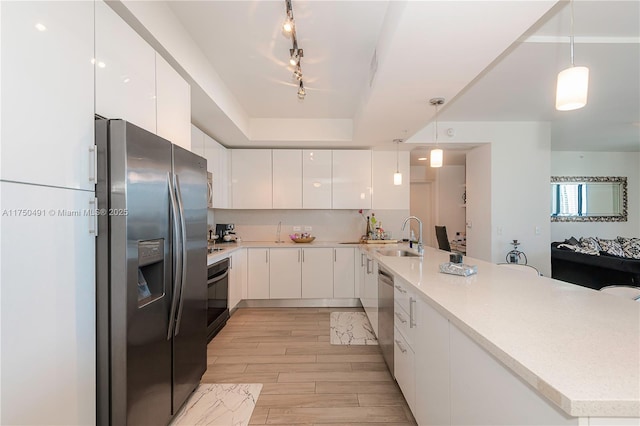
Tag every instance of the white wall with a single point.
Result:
(328, 225)
(520, 190)
(570, 163)
(450, 210)
(479, 203)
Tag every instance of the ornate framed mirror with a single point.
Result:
(588, 199)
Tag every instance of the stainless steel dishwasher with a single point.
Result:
(385, 315)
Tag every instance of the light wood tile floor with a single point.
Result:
(306, 380)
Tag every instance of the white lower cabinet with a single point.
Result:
(370, 297)
(361, 267)
(317, 273)
(237, 278)
(483, 391)
(404, 368)
(285, 274)
(344, 273)
(432, 370)
(258, 273)
(48, 306)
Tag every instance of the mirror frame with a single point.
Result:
(622, 180)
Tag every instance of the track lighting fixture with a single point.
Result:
(436, 153)
(295, 53)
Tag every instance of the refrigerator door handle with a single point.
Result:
(183, 279)
(178, 268)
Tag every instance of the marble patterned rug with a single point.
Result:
(351, 328)
(219, 405)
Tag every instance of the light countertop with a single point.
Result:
(577, 346)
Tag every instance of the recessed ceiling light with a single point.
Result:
(422, 158)
(40, 27)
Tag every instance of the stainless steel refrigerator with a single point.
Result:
(151, 274)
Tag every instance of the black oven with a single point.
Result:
(218, 291)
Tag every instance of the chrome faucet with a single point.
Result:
(420, 246)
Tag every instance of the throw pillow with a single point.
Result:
(630, 247)
(573, 241)
(612, 247)
(589, 245)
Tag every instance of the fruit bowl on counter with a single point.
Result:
(301, 238)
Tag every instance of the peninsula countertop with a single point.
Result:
(578, 347)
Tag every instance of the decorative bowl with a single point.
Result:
(303, 240)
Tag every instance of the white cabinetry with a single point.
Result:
(287, 178)
(125, 71)
(316, 179)
(343, 273)
(218, 164)
(47, 93)
(284, 276)
(173, 105)
(361, 267)
(251, 179)
(197, 143)
(483, 391)
(370, 297)
(48, 321)
(351, 179)
(258, 273)
(386, 195)
(404, 315)
(237, 277)
(432, 368)
(317, 273)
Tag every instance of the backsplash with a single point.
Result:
(327, 225)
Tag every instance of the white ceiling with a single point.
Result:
(461, 50)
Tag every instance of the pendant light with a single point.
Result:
(436, 153)
(397, 176)
(573, 83)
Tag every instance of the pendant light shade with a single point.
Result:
(436, 158)
(573, 83)
(572, 88)
(397, 176)
(436, 153)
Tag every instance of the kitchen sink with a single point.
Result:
(398, 253)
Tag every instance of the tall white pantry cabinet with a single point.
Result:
(54, 57)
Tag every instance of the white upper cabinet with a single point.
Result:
(251, 179)
(125, 71)
(173, 98)
(197, 143)
(351, 179)
(386, 195)
(287, 178)
(47, 93)
(218, 164)
(316, 179)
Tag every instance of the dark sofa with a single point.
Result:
(593, 271)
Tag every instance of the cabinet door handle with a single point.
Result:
(362, 260)
(335, 256)
(368, 263)
(266, 256)
(402, 320)
(93, 207)
(412, 321)
(230, 262)
(302, 255)
(298, 256)
(93, 175)
(402, 348)
(400, 289)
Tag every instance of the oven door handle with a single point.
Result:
(217, 278)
